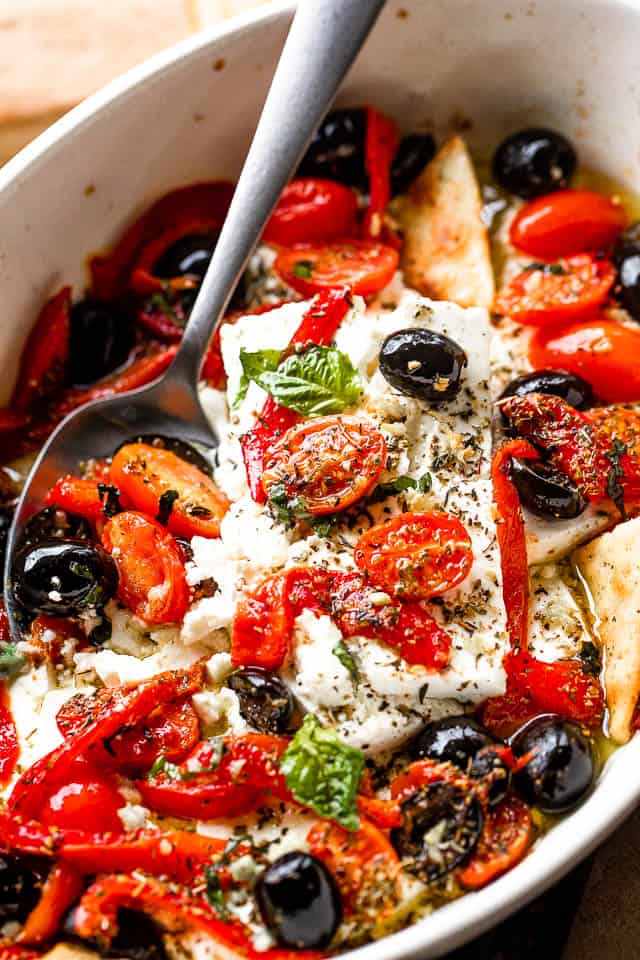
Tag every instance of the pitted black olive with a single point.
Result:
(413, 154)
(556, 383)
(186, 451)
(337, 149)
(266, 703)
(546, 491)
(190, 255)
(533, 162)
(453, 739)
(138, 936)
(21, 879)
(490, 767)
(423, 364)
(63, 578)
(299, 901)
(100, 339)
(627, 259)
(53, 523)
(441, 824)
(561, 770)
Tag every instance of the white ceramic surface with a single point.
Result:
(188, 114)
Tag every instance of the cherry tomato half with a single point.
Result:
(567, 222)
(152, 581)
(327, 463)
(363, 266)
(605, 353)
(144, 474)
(87, 801)
(312, 211)
(416, 555)
(571, 290)
(506, 834)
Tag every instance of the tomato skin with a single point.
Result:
(398, 555)
(9, 745)
(312, 210)
(86, 799)
(605, 353)
(144, 473)
(567, 222)
(152, 584)
(506, 834)
(77, 496)
(263, 624)
(60, 890)
(327, 463)
(537, 298)
(365, 266)
(619, 423)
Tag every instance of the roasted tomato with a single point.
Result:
(567, 222)
(562, 292)
(87, 798)
(620, 424)
(263, 624)
(364, 864)
(605, 353)
(312, 211)
(416, 555)
(152, 583)
(364, 266)
(325, 464)
(151, 476)
(506, 834)
(79, 496)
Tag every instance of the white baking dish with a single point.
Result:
(189, 113)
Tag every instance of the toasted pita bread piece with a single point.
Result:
(446, 247)
(611, 568)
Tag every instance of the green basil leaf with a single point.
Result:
(344, 655)
(320, 381)
(214, 892)
(253, 364)
(11, 661)
(323, 773)
(304, 269)
(399, 485)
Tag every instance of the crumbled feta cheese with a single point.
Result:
(133, 816)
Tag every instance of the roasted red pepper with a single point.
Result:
(44, 356)
(318, 326)
(127, 705)
(381, 143)
(60, 890)
(9, 746)
(263, 625)
(177, 211)
(512, 540)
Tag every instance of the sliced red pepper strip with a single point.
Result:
(318, 326)
(512, 540)
(96, 916)
(143, 281)
(60, 890)
(141, 372)
(110, 273)
(381, 143)
(128, 705)
(263, 624)
(45, 354)
(9, 746)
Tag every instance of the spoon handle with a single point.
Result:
(323, 41)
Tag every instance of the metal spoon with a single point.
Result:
(323, 41)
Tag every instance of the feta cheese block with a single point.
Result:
(451, 443)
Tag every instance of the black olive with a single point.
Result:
(423, 364)
(413, 154)
(489, 766)
(533, 162)
(265, 701)
(190, 255)
(546, 491)
(186, 451)
(53, 523)
(299, 901)
(21, 879)
(556, 383)
(337, 149)
(627, 259)
(452, 739)
(101, 337)
(63, 578)
(138, 936)
(562, 768)
(440, 828)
